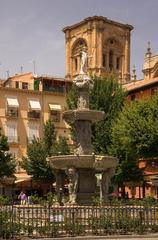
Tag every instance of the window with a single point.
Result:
(34, 104)
(111, 60)
(17, 84)
(104, 59)
(33, 132)
(12, 133)
(117, 63)
(156, 192)
(76, 65)
(12, 107)
(34, 109)
(24, 85)
(55, 112)
(55, 115)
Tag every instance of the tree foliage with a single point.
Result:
(7, 161)
(135, 136)
(49, 138)
(108, 96)
(36, 164)
(62, 146)
(37, 152)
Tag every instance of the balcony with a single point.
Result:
(34, 114)
(12, 112)
(54, 89)
(13, 139)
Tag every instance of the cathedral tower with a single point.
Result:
(106, 42)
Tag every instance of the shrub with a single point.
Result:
(73, 228)
(4, 200)
(8, 229)
(148, 201)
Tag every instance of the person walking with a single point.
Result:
(23, 198)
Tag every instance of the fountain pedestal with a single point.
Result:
(86, 186)
(82, 167)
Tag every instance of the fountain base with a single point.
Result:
(82, 175)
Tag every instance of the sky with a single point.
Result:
(31, 31)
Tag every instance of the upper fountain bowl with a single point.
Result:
(83, 114)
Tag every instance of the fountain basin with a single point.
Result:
(84, 114)
(96, 162)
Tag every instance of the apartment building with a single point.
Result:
(26, 103)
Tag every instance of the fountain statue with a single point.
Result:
(82, 167)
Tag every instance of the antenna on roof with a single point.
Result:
(34, 65)
(7, 73)
(21, 69)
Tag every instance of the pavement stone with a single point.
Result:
(115, 237)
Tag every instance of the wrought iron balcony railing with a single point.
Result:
(12, 112)
(34, 114)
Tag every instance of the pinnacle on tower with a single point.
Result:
(148, 53)
(134, 76)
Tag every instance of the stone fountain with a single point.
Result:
(82, 167)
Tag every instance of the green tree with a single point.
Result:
(7, 162)
(108, 96)
(36, 164)
(37, 152)
(135, 136)
(62, 146)
(49, 138)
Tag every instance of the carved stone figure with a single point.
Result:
(106, 178)
(83, 66)
(59, 184)
(73, 184)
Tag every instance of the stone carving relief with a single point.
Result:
(82, 103)
(83, 64)
(73, 184)
(106, 178)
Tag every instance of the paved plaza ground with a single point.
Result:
(115, 237)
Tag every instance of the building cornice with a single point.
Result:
(141, 85)
(98, 18)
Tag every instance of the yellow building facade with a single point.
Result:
(24, 110)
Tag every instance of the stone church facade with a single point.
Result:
(107, 44)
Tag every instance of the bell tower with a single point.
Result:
(107, 44)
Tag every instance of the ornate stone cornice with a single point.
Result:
(98, 18)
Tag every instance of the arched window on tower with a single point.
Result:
(114, 51)
(111, 60)
(117, 63)
(76, 65)
(104, 60)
